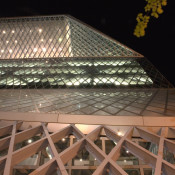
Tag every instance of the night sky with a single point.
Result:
(116, 18)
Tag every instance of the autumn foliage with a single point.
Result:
(153, 8)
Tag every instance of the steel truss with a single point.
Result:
(60, 162)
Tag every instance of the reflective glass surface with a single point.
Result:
(121, 102)
(82, 172)
(79, 73)
(133, 171)
(55, 36)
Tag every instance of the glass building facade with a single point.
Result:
(60, 79)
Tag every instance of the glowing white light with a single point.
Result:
(7, 42)
(4, 32)
(95, 159)
(117, 83)
(67, 36)
(142, 79)
(63, 139)
(13, 31)
(46, 61)
(115, 143)
(76, 83)
(81, 80)
(127, 151)
(16, 41)
(104, 80)
(26, 95)
(69, 83)
(112, 80)
(40, 104)
(44, 49)
(35, 49)
(60, 39)
(2, 51)
(60, 49)
(96, 80)
(81, 160)
(29, 141)
(124, 83)
(50, 156)
(125, 161)
(10, 50)
(119, 133)
(42, 40)
(50, 40)
(40, 30)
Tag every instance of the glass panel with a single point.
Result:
(45, 156)
(109, 145)
(168, 156)
(98, 142)
(150, 147)
(132, 171)
(148, 172)
(79, 73)
(82, 172)
(62, 144)
(3, 152)
(82, 101)
(126, 158)
(22, 171)
(26, 142)
(83, 158)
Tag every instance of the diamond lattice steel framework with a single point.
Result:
(59, 36)
(60, 66)
(60, 161)
(117, 102)
(44, 52)
(80, 73)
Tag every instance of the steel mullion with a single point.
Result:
(54, 151)
(8, 166)
(158, 168)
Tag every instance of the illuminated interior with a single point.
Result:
(58, 36)
(76, 73)
(65, 53)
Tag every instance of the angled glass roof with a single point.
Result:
(117, 102)
(57, 64)
(81, 73)
(57, 36)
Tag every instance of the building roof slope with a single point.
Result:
(57, 64)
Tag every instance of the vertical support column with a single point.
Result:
(39, 159)
(141, 170)
(39, 155)
(8, 170)
(70, 161)
(158, 168)
(140, 163)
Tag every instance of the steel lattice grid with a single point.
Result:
(55, 36)
(121, 102)
(60, 162)
(80, 73)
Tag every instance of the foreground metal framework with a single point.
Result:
(60, 162)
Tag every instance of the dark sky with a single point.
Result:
(115, 18)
